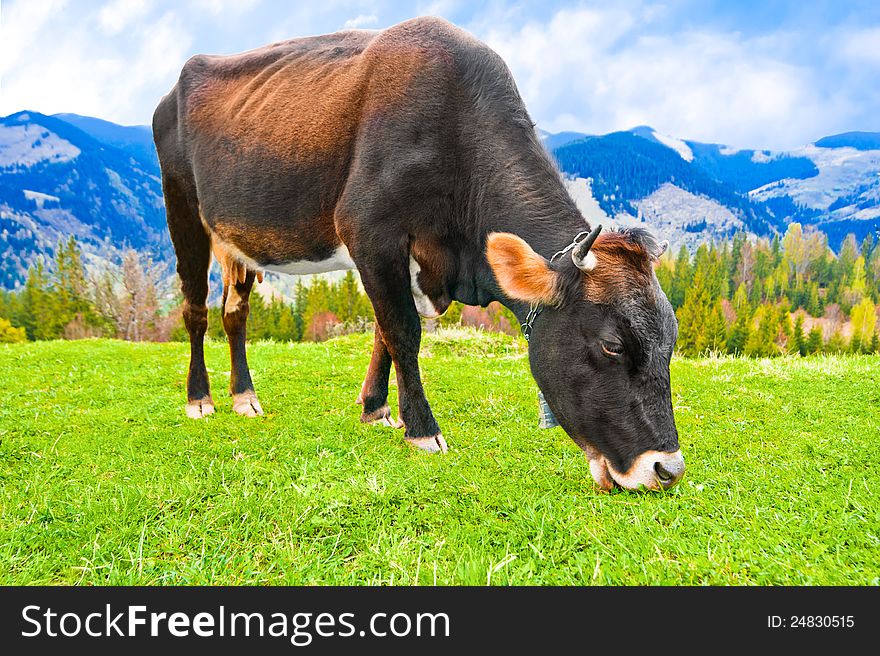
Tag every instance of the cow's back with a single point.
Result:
(270, 136)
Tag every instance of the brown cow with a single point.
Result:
(400, 153)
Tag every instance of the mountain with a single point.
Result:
(136, 140)
(690, 191)
(57, 180)
(553, 141)
(626, 170)
(75, 175)
(857, 140)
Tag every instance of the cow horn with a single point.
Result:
(581, 256)
(661, 248)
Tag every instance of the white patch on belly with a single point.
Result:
(423, 304)
(339, 261)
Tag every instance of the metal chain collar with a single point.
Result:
(536, 308)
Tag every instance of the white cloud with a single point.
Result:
(224, 7)
(361, 20)
(117, 15)
(594, 67)
(69, 70)
(862, 46)
(21, 25)
(594, 70)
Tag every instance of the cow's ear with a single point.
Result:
(522, 274)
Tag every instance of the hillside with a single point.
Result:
(106, 481)
(75, 175)
(56, 180)
(135, 140)
(833, 184)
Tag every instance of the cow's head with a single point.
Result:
(600, 349)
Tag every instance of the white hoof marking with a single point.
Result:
(246, 404)
(433, 444)
(199, 409)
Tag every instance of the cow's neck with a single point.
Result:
(524, 195)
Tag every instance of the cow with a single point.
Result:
(408, 154)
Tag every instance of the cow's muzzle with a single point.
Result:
(652, 470)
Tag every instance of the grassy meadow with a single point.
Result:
(103, 480)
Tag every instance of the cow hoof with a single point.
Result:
(246, 404)
(201, 408)
(380, 417)
(434, 444)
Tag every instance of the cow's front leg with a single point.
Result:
(386, 280)
(374, 392)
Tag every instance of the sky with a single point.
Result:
(772, 74)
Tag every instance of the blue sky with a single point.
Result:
(772, 74)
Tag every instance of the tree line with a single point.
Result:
(60, 301)
(744, 296)
(772, 297)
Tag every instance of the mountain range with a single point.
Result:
(688, 191)
(68, 175)
(75, 175)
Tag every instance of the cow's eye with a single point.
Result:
(612, 348)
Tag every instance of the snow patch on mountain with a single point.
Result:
(580, 189)
(682, 217)
(677, 145)
(842, 173)
(25, 145)
(669, 213)
(40, 198)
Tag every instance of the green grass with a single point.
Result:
(104, 481)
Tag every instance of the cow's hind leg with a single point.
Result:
(192, 246)
(237, 284)
(374, 391)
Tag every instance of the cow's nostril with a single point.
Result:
(669, 469)
(662, 474)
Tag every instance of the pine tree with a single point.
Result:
(815, 342)
(77, 313)
(784, 322)
(776, 252)
(259, 321)
(39, 305)
(716, 329)
(682, 277)
(739, 332)
(799, 340)
(300, 297)
(693, 315)
(836, 343)
(867, 247)
(761, 341)
(814, 306)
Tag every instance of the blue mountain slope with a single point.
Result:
(56, 181)
(744, 170)
(75, 175)
(136, 140)
(626, 167)
(554, 141)
(857, 140)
